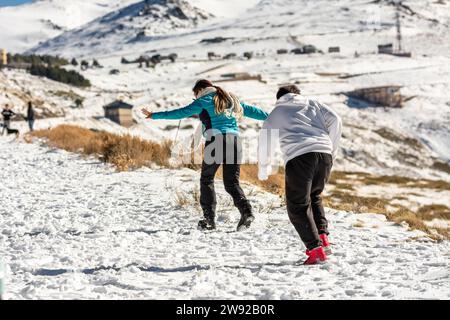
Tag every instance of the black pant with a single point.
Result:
(31, 124)
(306, 177)
(225, 150)
(6, 125)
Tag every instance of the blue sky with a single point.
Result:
(4, 3)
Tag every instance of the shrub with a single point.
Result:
(60, 75)
(96, 64)
(125, 152)
(37, 59)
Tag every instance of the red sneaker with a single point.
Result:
(325, 244)
(315, 256)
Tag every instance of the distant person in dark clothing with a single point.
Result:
(30, 116)
(7, 114)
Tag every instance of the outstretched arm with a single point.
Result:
(178, 114)
(254, 112)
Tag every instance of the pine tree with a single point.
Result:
(84, 65)
(60, 75)
(96, 64)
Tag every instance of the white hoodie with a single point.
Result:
(299, 126)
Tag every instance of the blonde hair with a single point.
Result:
(224, 102)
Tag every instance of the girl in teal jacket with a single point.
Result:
(219, 112)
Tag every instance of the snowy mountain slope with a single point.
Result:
(27, 25)
(228, 8)
(122, 236)
(138, 22)
(50, 98)
(22, 88)
(366, 23)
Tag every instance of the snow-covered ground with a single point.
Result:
(73, 228)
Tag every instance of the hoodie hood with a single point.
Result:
(292, 98)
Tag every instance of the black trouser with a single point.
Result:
(6, 125)
(223, 150)
(306, 177)
(31, 124)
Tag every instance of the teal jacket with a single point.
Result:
(205, 109)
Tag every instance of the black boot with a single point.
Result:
(246, 217)
(208, 222)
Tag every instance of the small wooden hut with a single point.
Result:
(119, 112)
(387, 96)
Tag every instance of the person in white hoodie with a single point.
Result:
(308, 134)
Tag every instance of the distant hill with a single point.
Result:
(180, 23)
(25, 26)
(134, 23)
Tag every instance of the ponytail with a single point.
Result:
(224, 101)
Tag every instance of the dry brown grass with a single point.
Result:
(125, 152)
(275, 183)
(415, 222)
(345, 201)
(342, 200)
(181, 199)
(395, 137)
(196, 194)
(341, 178)
(442, 166)
(186, 199)
(249, 173)
(358, 224)
(66, 94)
(434, 211)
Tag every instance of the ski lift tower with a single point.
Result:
(398, 23)
(399, 26)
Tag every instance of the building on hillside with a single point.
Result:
(334, 49)
(386, 96)
(120, 112)
(386, 48)
(239, 76)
